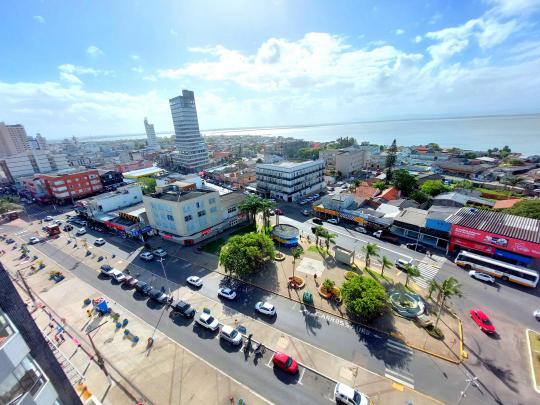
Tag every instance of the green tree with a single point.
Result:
(513, 162)
(386, 263)
(525, 208)
(147, 184)
(391, 161)
(319, 232)
(505, 151)
(245, 254)
(250, 206)
(404, 181)
(8, 204)
(434, 187)
(448, 289)
(364, 297)
(419, 196)
(411, 271)
(296, 253)
(308, 153)
(328, 285)
(512, 181)
(470, 155)
(24, 249)
(265, 207)
(370, 250)
(345, 142)
(328, 237)
(380, 185)
(433, 286)
(464, 184)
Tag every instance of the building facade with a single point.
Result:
(151, 135)
(190, 216)
(290, 181)
(31, 162)
(65, 186)
(13, 139)
(121, 198)
(345, 162)
(192, 152)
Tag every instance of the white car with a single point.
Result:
(230, 334)
(48, 218)
(334, 221)
(146, 256)
(33, 240)
(265, 308)
(377, 234)
(402, 264)
(159, 252)
(207, 321)
(361, 229)
(81, 231)
(106, 270)
(228, 293)
(482, 276)
(194, 281)
(99, 242)
(348, 395)
(536, 314)
(58, 222)
(117, 275)
(304, 202)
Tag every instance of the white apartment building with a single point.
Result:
(22, 381)
(190, 216)
(120, 198)
(344, 162)
(289, 181)
(192, 152)
(31, 162)
(13, 139)
(151, 135)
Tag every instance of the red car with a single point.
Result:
(482, 320)
(285, 362)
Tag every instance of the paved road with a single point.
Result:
(426, 374)
(305, 388)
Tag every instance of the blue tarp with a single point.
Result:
(102, 307)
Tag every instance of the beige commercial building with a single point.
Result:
(13, 139)
(344, 162)
(190, 216)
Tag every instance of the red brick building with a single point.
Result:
(62, 187)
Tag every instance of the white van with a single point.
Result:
(348, 395)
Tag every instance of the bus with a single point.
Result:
(506, 271)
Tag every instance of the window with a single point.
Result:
(213, 209)
(201, 213)
(170, 217)
(26, 377)
(188, 218)
(231, 209)
(212, 200)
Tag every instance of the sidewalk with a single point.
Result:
(171, 374)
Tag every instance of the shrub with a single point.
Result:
(350, 274)
(328, 284)
(434, 331)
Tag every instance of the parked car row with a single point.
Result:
(149, 256)
(309, 199)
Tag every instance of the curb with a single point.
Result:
(450, 360)
(533, 374)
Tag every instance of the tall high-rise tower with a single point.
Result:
(13, 139)
(192, 153)
(151, 135)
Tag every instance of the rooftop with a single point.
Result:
(512, 226)
(285, 164)
(463, 198)
(413, 216)
(179, 195)
(148, 171)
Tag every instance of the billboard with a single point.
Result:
(459, 233)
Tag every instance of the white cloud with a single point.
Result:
(493, 33)
(135, 57)
(137, 69)
(418, 39)
(512, 8)
(93, 50)
(82, 70)
(40, 19)
(70, 78)
(399, 31)
(435, 18)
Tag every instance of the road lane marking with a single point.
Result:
(301, 376)
(399, 378)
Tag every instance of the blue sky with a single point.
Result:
(99, 67)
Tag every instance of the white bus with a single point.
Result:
(506, 271)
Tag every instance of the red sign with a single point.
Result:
(460, 233)
(473, 245)
(115, 226)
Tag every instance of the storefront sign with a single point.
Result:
(115, 226)
(459, 233)
(473, 245)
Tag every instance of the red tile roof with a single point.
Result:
(364, 191)
(391, 193)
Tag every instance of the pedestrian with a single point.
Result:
(62, 337)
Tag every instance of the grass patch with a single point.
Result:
(500, 193)
(377, 276)
(214, 247)
(534, 340)
(317, 249)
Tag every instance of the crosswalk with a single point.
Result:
(427, 273)
(399, 374)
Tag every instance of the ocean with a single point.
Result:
(520, 132)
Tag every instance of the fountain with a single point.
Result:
(407, 304)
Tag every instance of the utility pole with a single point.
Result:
(470, 380)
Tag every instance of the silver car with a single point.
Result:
(230, 334)
(482, 276)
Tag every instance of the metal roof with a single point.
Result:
(513, 226)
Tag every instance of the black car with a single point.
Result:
(157, 295)
(106, 267)
(143, 287)
(317, 221)
(417, 247)
(183, 308)
(67, 227)
(9, 240)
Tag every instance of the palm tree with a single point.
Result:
(449, 288)
(265, 206)
(84, 242)
(296, 253)
(370, 250)
(386, 263)
(329, 237)
(412, 271)
(24, 249)
(434, 286)
(250, 205)
(318, 231)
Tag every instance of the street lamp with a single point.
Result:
(470, 380)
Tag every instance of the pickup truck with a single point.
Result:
(387, 237)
